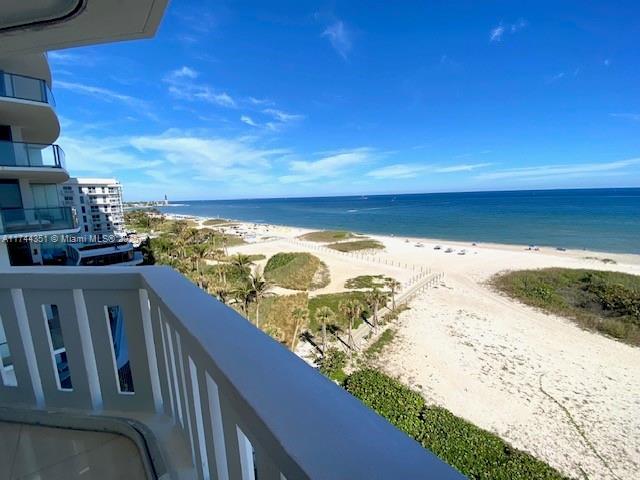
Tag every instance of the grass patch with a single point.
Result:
(326, 236)
(332, 300)
(605, 302)
(383, 341)
(356, 245)
(212, 222)
(276, 315)
(297, 271)
(365, 281)
(476, 453)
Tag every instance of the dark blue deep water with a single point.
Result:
(602, 219)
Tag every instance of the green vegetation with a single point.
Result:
(276, 315)
(333, 300)
(376, 348)
(356, 245)
(326, 236)
(332, 364)
(366, 281)
(213, 222)
(606, 302)
(297, 271)
(476, 453)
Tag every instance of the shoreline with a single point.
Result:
(466, 244)
(484, 356)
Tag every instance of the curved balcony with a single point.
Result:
(22, 87)
(37, 221)
(28, 102)
(34, 160)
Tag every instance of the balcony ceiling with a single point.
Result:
(39, 25)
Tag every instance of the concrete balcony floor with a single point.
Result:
(32, 452)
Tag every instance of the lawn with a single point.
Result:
(297, 271)
(605, 302)
(327, 236)
(356, 245)
(212, 222)
(276, 315)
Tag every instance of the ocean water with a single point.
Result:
(600, 219)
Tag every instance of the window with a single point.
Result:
(84, 210)
(86, 228)
(81, 199)
(84, 219)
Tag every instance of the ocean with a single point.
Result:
(605, 220)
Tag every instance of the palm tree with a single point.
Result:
(260, 289)
(199, 253)
(324, 315)
(300, 316)
(393, 285)
(375, 298)
(220, 291)
(241, 261)
(352, 309)
(243, 295)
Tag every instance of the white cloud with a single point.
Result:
(281, 116)
(210, 159)
(182, 85)
(98, 92)
(545, 171)
(339, 37)
(497, 33)
(248, 120)
(329, 166)
(462, 168)
(407, 170)
(398, 170)
(556, 77)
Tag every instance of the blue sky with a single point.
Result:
(263, 99)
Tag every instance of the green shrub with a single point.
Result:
(297, 271)
(327, 236)
(398, 404)
(476, 453)
(365, 281)
(606, 302)
(356, 245)
(332, 364)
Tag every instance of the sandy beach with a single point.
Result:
(568, 396)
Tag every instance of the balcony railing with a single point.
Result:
(144, 343)
(36, 220)
(19, 154)
(25, 88)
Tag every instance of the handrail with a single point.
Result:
(24, 87)
(23, 154)
(229, 387)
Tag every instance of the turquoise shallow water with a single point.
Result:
(602, 219)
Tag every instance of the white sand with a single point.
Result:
(483, 356)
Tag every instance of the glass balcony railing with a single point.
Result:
(25, 88)
(36, 220)
(19, 154)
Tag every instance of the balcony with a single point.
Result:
(27, 221)
(28, 102)
(36, 161)
(22, 87)
(141, 351)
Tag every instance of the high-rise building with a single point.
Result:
(31, 164)
(98, 203)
